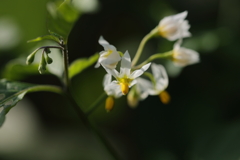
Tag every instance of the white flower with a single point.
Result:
(184, 56)
(111, 88)
(109, 57)
(126, 79)
(160, 79)
(156, 86)
(174, 27)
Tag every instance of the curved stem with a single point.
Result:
(49, 88)
(153, 57)
(96, 104)
(91, 126)
(142, 44)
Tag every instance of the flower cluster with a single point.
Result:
(128, 81)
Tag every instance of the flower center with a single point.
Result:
(124, 82)
(107, 53)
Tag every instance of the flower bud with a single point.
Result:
(48, 59)
(42, 65)
(109, 103)
(47, 50)
(132, 98)
(31, 57)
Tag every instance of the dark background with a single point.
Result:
(200, 123)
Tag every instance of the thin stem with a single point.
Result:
(96, 104)
(91, 126)
(65, 61)
(155, 56)
(142, 44)
(49, 88)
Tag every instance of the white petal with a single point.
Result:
(175, 27)
(160, 76)
(105, 44)
(107, 79)
(113, 89)
(113, 72)
(142, 87)
(125, 64)
(132, 83)
(184, 56)
(139, 72)
(97, 65)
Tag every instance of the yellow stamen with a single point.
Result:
(124, 88)
(109, 103)
(164, 97)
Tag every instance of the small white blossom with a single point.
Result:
(174, 27)
(184, 56)
(126, 79)
(109, 57)
(157, 86)
(111, 88)
(160, 78)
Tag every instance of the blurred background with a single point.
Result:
(202, 121)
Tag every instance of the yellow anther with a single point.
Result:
(124, 88)
(164, 97)
(109, 103)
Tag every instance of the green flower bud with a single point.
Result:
(42, 65)
(31, 57)
(47, 50)
(48, 59)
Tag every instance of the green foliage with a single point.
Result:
(80, 64)
(62, 17)
(10, 94)
(18, 70)
(46, 37)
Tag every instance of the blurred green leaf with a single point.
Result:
(17, 70)
(80, 64)
(62, 16)
(12, 92)
(46, 37)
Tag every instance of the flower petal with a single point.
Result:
(139, 72)
(107, 79)
(105, 44)
(160, 76)
(125, 64)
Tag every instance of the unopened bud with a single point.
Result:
(48, 59)
(132, 98)
(47, 50)
(31, 57)
(109, 103)
(42, 65)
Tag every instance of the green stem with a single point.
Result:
(142, 44)
(96, 104)
(155, 56)
(65, 60)
(49, 88)
(91, 126)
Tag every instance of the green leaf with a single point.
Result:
(62, 17)
(80, 64)
(12, 92)
(46, 37)
(18, 70)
